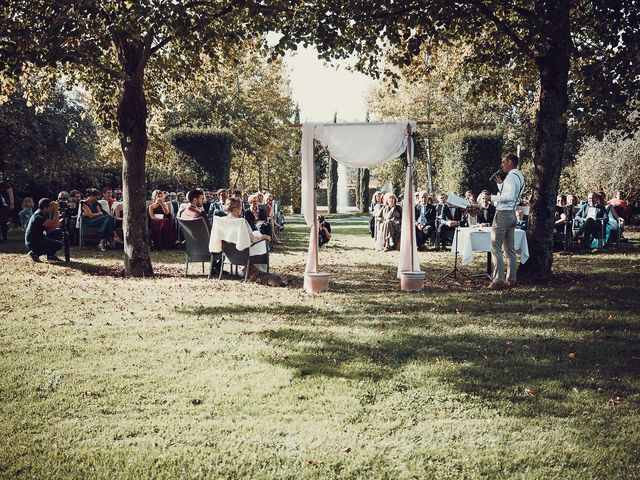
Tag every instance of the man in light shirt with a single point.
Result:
(504, 223)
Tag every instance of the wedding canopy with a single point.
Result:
(360, 145)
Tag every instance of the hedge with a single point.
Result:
(206, 150)
(469, 158)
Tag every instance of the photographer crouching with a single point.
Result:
(324, 230)
(43, 235)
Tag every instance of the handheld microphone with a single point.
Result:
(498, 173)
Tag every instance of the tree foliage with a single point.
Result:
(250, 98)
(54, 146)
(118, 49)
(609, 165)
(582, 53)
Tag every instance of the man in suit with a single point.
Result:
(590, 217)
(217, 207)
(425, 220)
(444, 220)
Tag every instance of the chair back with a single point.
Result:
(233, 255)
(105, 206)
(196, 236)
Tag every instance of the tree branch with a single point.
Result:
(161, 44)
(503, 27)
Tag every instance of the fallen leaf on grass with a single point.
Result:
(529, 393)
(315, 462)
(346, 450)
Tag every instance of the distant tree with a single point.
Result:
(609, 165)
(583, 51)
(125, 52)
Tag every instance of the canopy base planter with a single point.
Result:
(411, 281)
(316, 282)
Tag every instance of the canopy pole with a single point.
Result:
(410, 166)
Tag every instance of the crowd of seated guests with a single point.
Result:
(435, 220)
(102, 211)
(593, 222)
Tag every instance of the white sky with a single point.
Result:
(322, 90)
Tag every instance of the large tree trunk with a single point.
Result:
(551, 134)
(132, 127)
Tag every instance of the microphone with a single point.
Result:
(498, 173)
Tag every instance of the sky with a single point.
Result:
(321, 90)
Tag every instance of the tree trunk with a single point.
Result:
(551, 134)
(132, 127)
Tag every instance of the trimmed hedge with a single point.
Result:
(206, 150)
(469, 158)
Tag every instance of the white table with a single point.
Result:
(478, 239)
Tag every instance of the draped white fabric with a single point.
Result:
(360, 146)
(409, 260)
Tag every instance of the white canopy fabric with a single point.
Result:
(360, 146)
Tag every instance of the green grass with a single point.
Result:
(104, 377)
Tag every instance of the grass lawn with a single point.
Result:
(104, 377)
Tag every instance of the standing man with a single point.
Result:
(43, 232)
(504, 223)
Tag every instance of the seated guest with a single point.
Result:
(521, 223)
(107, 194)
(268, 198)
(43, 234)
(118, 217)
(217, 207)
(560, 220)
(163, 232)
(195, 209)
(95, 217)
(117, 195)
(425, 220)
(374, 223)
(324, 230)
(26, 212)
(622, 210)
(589, 218)
(487, 209)
(388, 237)
(181, 197)
(470, 215)
(469, 196)
(257, 217)
(444, 220)
(233, 228)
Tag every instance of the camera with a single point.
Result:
(66, 208)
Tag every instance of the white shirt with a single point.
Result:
(509, 191)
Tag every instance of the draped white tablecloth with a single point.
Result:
(478, 239)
